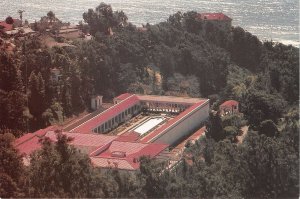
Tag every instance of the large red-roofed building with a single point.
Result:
(214, 17)
(220, 20)
(126, 155)
(124, 151)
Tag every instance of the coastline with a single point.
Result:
(268, 20)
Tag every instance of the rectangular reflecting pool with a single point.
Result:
(148, 125)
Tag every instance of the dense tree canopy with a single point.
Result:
(11, 167)
(103, 18)
(181, 56)
(60, 170)
(176, 57)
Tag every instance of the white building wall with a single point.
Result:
(118, 118)
(185, 126)
(96, 102)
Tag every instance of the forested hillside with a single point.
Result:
(180, 56)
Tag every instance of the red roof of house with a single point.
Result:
(23, 139)
(168, 124)
(127, 147)
(110, 113)
(141, 29)
(85, 142)
(198, 134)
(229, 103)
(28, 146)
(125, 155)
(108, 153)
(214, 16)
(42, 132)
(123, 96)
(28, 136)
(112, 163)
(29, 142)
(195, 136)
(92, 141)
(7, 27)
(128, 137)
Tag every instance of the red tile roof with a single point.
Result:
(128, 137)
(110, 151)
(24, 138)
(110, 113)
(85, 142)
(229, 103)
(29, 146)
(120, 151)
(42, 132)
(127, 147)
(168, 99)
(125, 155)
(195, 136)
(29, 142)
(214, 16)
(112, 163)
(79, 139)
(123, 96)
(151, 150)
(168, 124)
(29, 136)
(6, 27)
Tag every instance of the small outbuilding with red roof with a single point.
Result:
(229, 107)
(219, 20)
(9, 27)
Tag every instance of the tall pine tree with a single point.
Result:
(12, 100)
(36, 98)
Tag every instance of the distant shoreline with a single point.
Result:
(283, 41)
(278, 22)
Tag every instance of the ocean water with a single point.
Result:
(276, 20)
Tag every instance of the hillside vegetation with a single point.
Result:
(181, 57)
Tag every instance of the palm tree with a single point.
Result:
(9, 20)
(51, 16)
(21, 15)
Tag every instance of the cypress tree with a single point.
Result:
(10, 75)
(36, 98)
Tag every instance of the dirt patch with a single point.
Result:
(241, 137)
(49, 41)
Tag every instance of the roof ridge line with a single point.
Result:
(128, 141)
(102, 112)
(104, 147)
(33, 135)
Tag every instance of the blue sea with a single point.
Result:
(276, 20)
